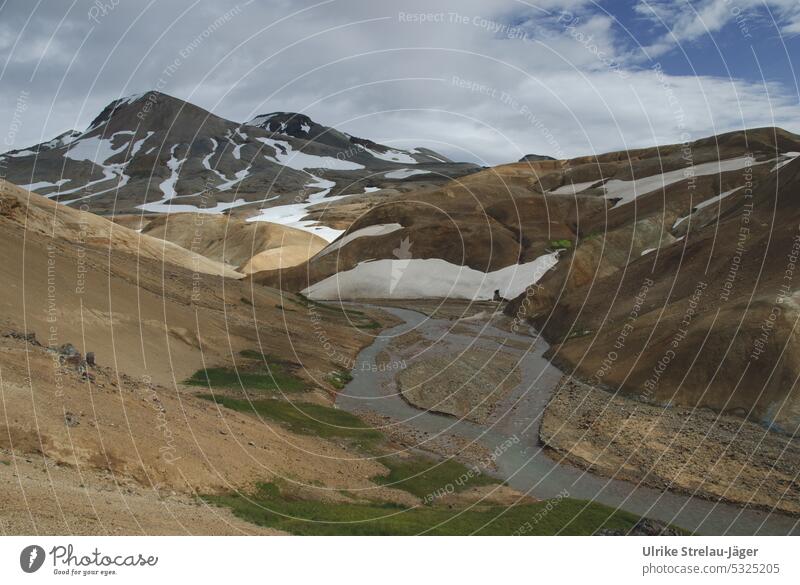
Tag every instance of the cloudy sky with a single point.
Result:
(486, 81)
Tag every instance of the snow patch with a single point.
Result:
(169, 207)
(137, 146)
(96, 150)
(167, 186)
(429, 278)
(627, 191)
(44, 185)
(238, 178)
(790, 156)
(713, 200)
(206, 162)
(395, 156)
(572, 188)
(404, 173)
(300, 161)
(292, 215)
(369, 231)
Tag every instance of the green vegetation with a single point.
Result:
(340, 378)
(306, 418)
(427, 479)
(592, 236)
(270, 380)
(268, 506)
(252, 376)
(359, 319)
(252, 354)
(561, 244)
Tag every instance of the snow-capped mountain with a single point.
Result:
(156, 153)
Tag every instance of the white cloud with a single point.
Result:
(551, 85)
(688, 21)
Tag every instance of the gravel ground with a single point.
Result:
(693, 451)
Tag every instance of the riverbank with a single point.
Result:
(693, 451)
(511, 433)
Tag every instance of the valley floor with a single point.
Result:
(694, 451)
(466, 386)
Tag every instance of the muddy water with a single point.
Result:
(521, 462)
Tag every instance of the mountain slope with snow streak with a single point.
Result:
(156, 153)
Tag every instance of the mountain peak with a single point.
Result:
(153, 111)
(535, 158)
(290, 123)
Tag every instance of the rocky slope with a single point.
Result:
(643, 260)
(486, 232)
(684, 292)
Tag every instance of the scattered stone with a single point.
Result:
(29, 337)
(644, 527)
(90, 358)
(68, 349)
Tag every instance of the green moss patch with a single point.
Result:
(268, 506)
(429, 479)
(561, 244)
(258, 373)
(305, 418)
(358, 319)
(340, 378)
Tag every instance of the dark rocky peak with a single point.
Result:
(535, 158)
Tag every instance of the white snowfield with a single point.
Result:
(573, 188)
(174, 164)
(706, 203)
(44, 185)
(716, 199)
(300, 161)
(369, 231)
(790, 156)
(292, 215)
(94, 149)
(167, 206)
(429, 278)
(395, 156)
(404, 173)
(98, 151)
(627, 191)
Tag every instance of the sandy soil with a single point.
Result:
(245, 246)
(42, 497)
(151, 322)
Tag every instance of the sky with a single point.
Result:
(481, 81)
